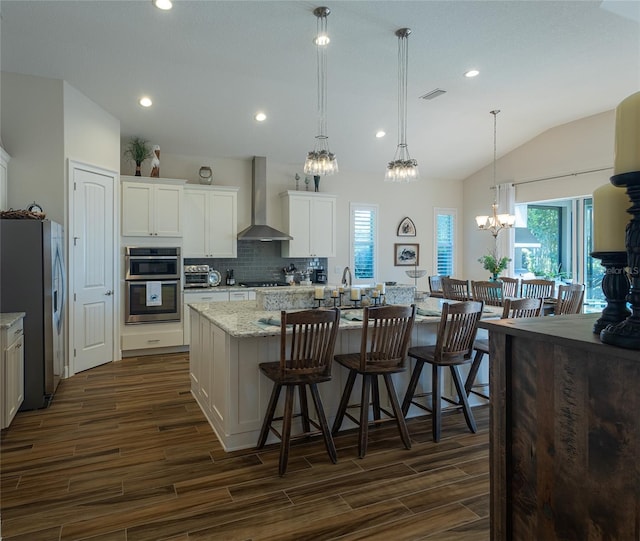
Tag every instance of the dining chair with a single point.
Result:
(537, 288)
(453, 347)
(569, 300)
(489, 292)
(386, 331)
(512, 308)
(310, 336)
(455, 289)
(435, 286)
(510, 286)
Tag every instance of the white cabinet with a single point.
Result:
(210, 295)
(310, 218)
(11, 371)
(210, 221)
(152, 208)
(4, 179)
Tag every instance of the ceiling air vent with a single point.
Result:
(433, 94)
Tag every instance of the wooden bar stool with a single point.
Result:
(513, 308)
(386, 331)
(455, 289)
(312, 336)
(453, 347)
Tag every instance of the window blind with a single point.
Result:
(445, 233)
(363, 227)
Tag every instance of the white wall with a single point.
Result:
(578, 146)
(416, 200)
(33, 135)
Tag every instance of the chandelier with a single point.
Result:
(321, 161)
(402, 168)
(496, 222)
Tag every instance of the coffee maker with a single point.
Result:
(320, 276)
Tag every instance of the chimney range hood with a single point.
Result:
(259, 230)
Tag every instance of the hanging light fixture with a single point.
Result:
(321, 161)
(402, 168)
(496, 222)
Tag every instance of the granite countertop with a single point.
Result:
(244, 319)
(9, 318)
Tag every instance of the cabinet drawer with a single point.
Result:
(152, 340)
(11, 334)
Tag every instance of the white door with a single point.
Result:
(92, 257)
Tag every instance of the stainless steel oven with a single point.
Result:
(153, 292)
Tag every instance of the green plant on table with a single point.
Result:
(494, 264)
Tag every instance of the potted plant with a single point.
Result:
(494, 264)
(138, 150)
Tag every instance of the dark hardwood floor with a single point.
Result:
(125, 454)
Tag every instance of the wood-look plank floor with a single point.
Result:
(124, 454)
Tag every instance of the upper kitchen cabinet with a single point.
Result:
(310, 218)
(152, 207)
(210, 221)
(4, 179)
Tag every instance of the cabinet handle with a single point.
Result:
(17, 332)
(19, 346)
(155, 340)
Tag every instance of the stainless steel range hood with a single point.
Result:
(259, 230)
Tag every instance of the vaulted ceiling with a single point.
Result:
(209, 66)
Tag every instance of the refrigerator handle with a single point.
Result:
(63, 278)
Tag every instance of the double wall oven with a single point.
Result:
(152, 284)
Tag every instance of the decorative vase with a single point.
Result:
(316, 182)
(494, 277)
(205, 174)
(138, 164)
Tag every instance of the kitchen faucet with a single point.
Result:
(346, 272)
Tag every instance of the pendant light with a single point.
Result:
(321, 161)
(496, 222)
(402, 168)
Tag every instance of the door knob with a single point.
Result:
(109, 292)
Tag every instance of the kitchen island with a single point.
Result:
(229, 341)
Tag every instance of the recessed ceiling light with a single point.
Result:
(261, 117)
(163, 4)
(145, 102)
(471, 73)
(380, 133)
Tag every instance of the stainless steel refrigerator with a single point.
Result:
(32, 280)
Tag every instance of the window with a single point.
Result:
(445, 227)
(364, 241)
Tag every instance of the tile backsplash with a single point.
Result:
(259, 261)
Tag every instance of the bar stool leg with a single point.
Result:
(466, 409)
(436, 405)
(473, 371)
(344, 402)
(364, 415)
(411, 389)
(375, 397)
(304, 408)
(397, 411)
(322, 420)
(268, 418)
(286, 429)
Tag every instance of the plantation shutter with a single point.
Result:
(445, 233)
(363, 222)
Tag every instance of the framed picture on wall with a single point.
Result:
(406, 254)
(406, 228)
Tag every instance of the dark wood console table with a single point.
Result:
(565, 432)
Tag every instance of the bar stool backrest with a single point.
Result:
(525, 307)
(311, 339)
(455, 289)
(510, 286)
(569, 300)
(537, 288)
(435, 285)
(386, 332)
(489, 292)
(457, 331)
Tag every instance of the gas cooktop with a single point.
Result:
(263, 283)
